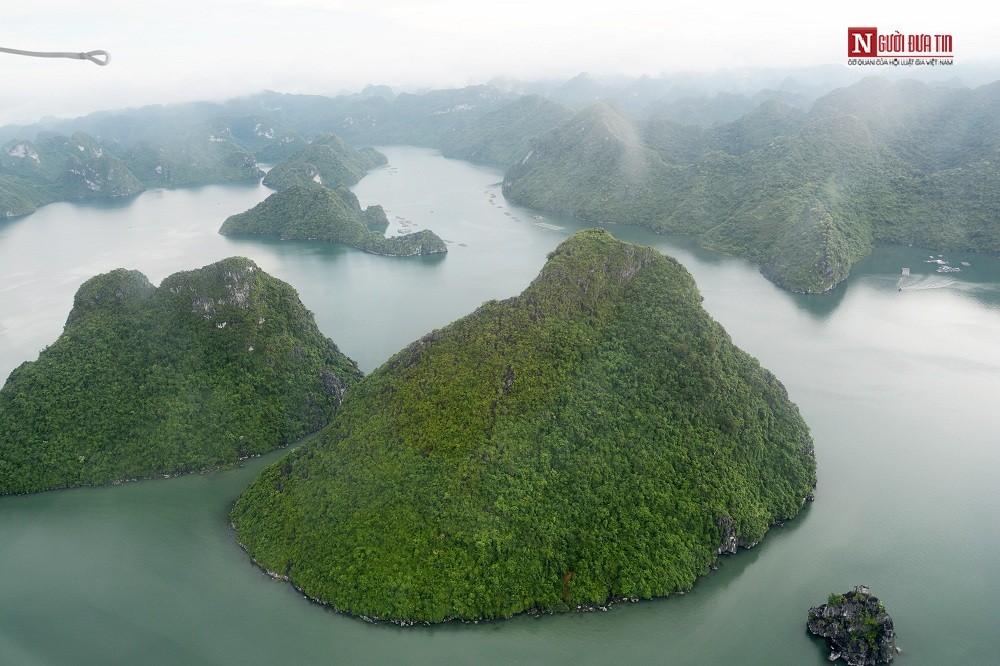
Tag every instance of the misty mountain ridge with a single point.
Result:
(803, 190)
(633, 94)
(805, 195)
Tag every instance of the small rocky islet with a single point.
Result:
(856, 627)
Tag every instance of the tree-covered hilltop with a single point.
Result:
(593, 166)
(804, 195)
(216, 364)
(597, 436)
(326, 161)
(301, 212)
(778, 200)
(502, 137)
(677, 143)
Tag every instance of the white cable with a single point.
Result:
(101, 58)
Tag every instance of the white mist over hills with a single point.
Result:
(216, 49)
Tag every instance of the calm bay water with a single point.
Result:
(899, 387)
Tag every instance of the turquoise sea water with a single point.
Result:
(899, 387)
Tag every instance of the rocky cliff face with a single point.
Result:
(730, 541)
(856, 626)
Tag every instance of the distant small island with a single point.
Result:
(598, 437)
(313, 202)
(215, 365)
(302, 212)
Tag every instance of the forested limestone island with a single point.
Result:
(326, 161)
(597, 437)
(55, 167)
(302, 212)
(313, 203)
(804, 194)
(214, 365)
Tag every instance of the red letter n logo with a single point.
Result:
(861, 42)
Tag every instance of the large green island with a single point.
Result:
(597, 437)
(215, 365)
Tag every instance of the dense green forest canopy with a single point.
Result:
(597, 436)
(215, 365)
(313, 203)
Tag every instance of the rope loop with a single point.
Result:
(98, 57)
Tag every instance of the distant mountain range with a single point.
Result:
(803, 186)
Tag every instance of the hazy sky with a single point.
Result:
(182, 50)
